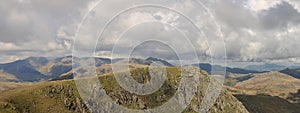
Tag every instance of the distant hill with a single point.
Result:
(292, 72)
(6, 77)
(102, 61)
(103, 65)
(34, 69)
(270, 92)
(103, 69)
(8, 81)
(232, 79)
(265, 67)
(25, 70)
(165, 63)
(208, 68)
(147, 61)
(56, 67)
(62, 96)
(271, 83)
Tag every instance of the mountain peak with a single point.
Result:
(159, 60)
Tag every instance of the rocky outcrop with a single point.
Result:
(63, 97)
(45, 97)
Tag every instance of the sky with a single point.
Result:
(252, 30)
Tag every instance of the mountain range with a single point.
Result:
(219, 69)
(281, 88)
(35, 69)
(25, 70)
(269, 67)
(293, 72)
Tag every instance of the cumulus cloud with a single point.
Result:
(254, 30)
(258, 5)
(269, 33)
(37, 26)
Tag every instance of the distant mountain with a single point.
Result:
(135, 61)
(104, 66)
(147, 61)
(35, 69)
(102, 61)
(292, 72)
(208, 68)
(8, 81)
(56, 67)
(61, 68)
(25, 70)
(165, 63)
(6, 77)
(265, 67)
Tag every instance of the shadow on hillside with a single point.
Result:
(294, 97)
(267, 104)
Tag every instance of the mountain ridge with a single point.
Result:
(62, 96)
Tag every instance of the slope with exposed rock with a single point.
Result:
(62, 96)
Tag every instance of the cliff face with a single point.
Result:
(63, 97)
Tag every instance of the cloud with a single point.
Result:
(258, 5)
(269, 33)
(8, 46)
(254, 30)
(39, 26)
(279, 16)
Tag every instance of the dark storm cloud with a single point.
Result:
(279, 17)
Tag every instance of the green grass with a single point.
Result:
(44, 97)
(50, 97)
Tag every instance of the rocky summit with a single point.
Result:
(63, 96)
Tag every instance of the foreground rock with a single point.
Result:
(63, 97)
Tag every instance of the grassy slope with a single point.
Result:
(267, 92)
(8, 81)
(62, 96)
(272, 83)
(8, 85)
(43, 97)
